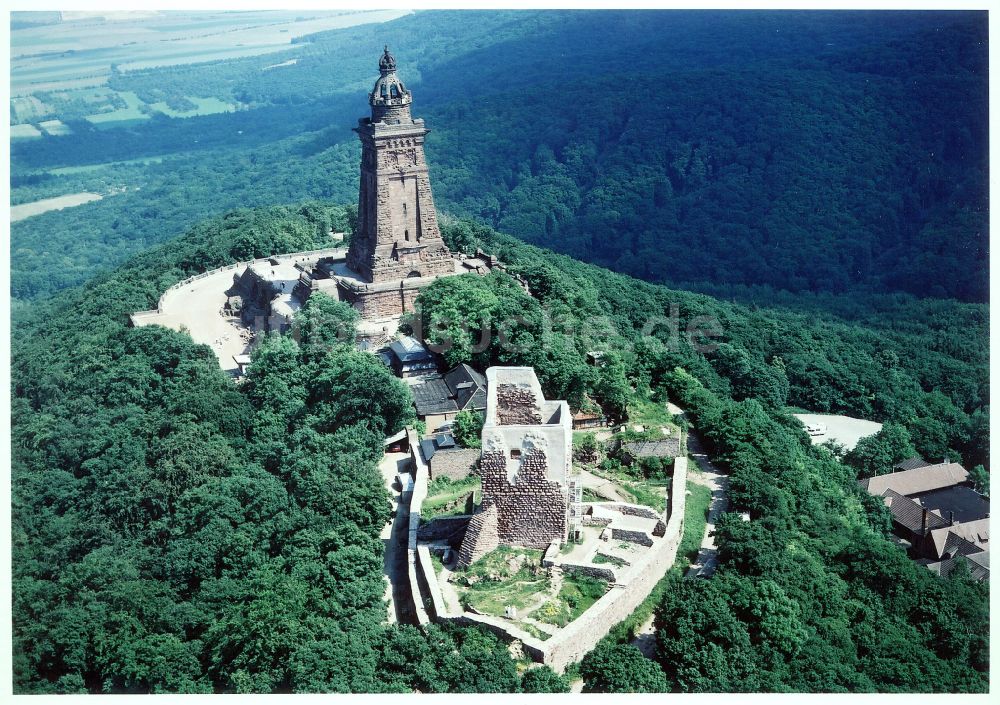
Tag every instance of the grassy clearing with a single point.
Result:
(579, 592)
(695, 518)
(649, 412)
(204, 106)
(55, 127)
(26, 210)
(533, 630)
(82, 169)
(590, 495)
(24, 132)
(128, 114)
(446, 497)
(649, 493)
(505, 576)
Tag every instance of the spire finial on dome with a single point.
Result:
(387, 64)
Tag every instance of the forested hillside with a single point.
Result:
(822, 174)
(173, 532)
(737, 153)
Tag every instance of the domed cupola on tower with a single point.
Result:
(389, 98)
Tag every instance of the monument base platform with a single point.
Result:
(378, 300)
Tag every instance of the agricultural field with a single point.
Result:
(48, 57)
(55, 127)
(24, 132)
(26, 210)
(132, 111)
(203, 106)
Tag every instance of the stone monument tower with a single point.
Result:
(398, 236)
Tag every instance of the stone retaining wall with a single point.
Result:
(450, 529)
(569, 645)
(417, 498)
(591, 570)
(639, 537)
(304, 256)
(438, 607)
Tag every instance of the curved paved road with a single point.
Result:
(197, 308)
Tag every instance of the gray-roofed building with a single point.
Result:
(978, 565)
(933, 537)
(918, 480)
(961, 539)
(439, 398)
(959, 503)
(911, 463)
(445, 458)
(911, 521)
(408, 357)
(468, 386)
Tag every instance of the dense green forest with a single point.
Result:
(736, 153)
(173, 532)
(819, 178)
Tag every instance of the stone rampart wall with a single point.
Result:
(426, 566)
(417, 497)
(635, 582)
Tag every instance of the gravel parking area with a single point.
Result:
(842, 429)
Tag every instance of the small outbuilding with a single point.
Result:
(438, 398)
(408, 357)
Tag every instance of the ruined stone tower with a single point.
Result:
(529, 496)
(398, 236)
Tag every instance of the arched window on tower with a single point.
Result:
(394, 90)
(384, 91)
(406, 235)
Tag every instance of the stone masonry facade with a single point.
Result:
(516, 406)
(398, 235)
(480, 538)
(380, 304)
(531, 508)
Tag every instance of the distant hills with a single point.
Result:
(730, 152)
